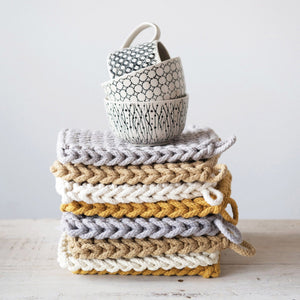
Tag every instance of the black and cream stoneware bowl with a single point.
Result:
(147, 123)
(162, 81)
(127, 60)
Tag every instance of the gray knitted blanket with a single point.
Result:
(103, 148)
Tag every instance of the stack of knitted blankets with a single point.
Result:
(145, 210)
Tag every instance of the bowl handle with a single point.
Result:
(139, 29)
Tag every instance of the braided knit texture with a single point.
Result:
(159, 173)
(166, 262)
(103, 148)
(172, 209)
(129, 248)
(115, 194)
(206, 272)
(139, 193)
(112, 228)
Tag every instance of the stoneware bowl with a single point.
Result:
(147, 123)
(162, 81)
(130, 59)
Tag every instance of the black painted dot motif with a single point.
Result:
(132, 59)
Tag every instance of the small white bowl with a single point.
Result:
(162, 81)
(147, 123)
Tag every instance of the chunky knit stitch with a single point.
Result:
(166, 262)
(103, 148)
(90, 194)
(139, 193)
(186, 208)
(112, 228)
(206, 272)
(129, 248)
(146, 174)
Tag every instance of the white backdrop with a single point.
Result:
(241, 63)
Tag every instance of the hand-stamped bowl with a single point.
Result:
(147, 123)
(130, 59)
(162, 81)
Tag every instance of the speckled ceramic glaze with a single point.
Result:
(162, 81)
(147, 123)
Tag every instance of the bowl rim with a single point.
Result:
(184, 98)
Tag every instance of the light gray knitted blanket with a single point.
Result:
(103, 148)
(141, 228)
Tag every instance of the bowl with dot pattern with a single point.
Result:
(131, 59)
(147, 123)
(162, 81)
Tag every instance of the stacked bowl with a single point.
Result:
(146, 98)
